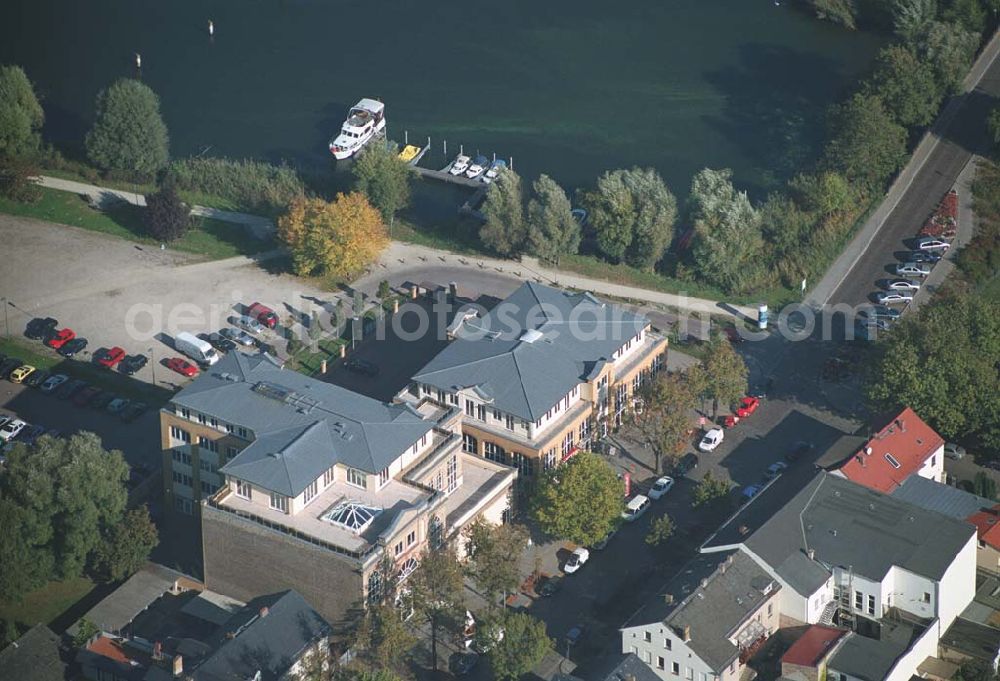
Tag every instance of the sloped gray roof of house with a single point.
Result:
(34, 657)
(735, 588)
(845, 524)
(268, 643)
(525, 373)
(627, 668)
(934, 496)
(301, 426)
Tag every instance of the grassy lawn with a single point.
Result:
(213, 239)
(309, 363)
(47, 603)
(41, 357)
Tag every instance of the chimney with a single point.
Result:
(264, 611)
(686, 633)
(668, 599)
(178, 665)
(901, 424)
(812, 554)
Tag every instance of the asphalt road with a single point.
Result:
(964, 136)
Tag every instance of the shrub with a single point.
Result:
(17, 180)
(383, 289)
(167, 217)
(251, 185)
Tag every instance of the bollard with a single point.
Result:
(322, 367)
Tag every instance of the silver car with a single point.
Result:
(931, 244)
(880, 312)
(249, 323)
(913, 269)
(903, 285)
(237, 336)
(891, 297)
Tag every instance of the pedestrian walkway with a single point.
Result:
(261, 227)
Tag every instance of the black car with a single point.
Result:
(73, 347)
(686, 464)
(36, 378)
(101, 399)
(800, 449)
(361, 366)
(132, 364)
(133, 411)
(924, 256)
(9, 365)
(40, 327)
(70, 388)
(220, 343)
(550, 586)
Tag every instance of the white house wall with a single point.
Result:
(906, 591)
(933, 468)
(958, 585)
(633, 641)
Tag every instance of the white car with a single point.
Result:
(576, 560)
(10, 429)
(932, 244)
(913, 269)
(903, 285)
(661, 487)
(894, 297)
(712, 439)
(53, 382)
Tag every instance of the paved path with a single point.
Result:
(261, 227)
(937, 161)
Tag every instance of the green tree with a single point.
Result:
(579, 501)
(382, 176)
(942, 361)
(129, 135)
(993, 125)
(825, 194)
(552, 229)
(969, 14)
(384, 289)
(21, 115)
(523, 646)
(633, 215)
(383, 638)
(843, 12)
(660, 531)
(985, 486)
(709, 490)
(727, 228)
(366, 675)
(949, 49)
(975, 670)
(167, 218)
(492, 552)
(866, 145)
(725, 374)
(85, 630)
(668, 400)
(9, 633)
(127, 546)
(437, 592)
(907, 86)
(18, 179)
(912, 18)
(505, 229)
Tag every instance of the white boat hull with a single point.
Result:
(341, 153)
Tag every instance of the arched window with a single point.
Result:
(375, 586)
(435, 530)
(409, 565)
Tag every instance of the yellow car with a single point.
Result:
(409, 152)
(21, 373)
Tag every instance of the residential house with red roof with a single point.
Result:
(987, 522)
(807, 658)
(904, 446)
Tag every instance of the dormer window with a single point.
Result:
(357, 478)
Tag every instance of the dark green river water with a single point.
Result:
(571, 88)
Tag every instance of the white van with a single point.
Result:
(195, 348)
(635, 507)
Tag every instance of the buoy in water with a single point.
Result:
(211, 27)
(138, 60)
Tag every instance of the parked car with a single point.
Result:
(36, 378)
(53, 382)
(71, 348)
(576, 560)
(930, 257)
(892, 297)
(22, 372)
(249, 323)
(361, 366)
(71, 388)
(237, 336)
(263, 314)
(880, 312)
(110, 358)
(9, 365)
(750, 491)
(84, 397)
(461, 663)
(117, 405)
(182, 366)
(30, 434)
(636, 507)
(954, 452)
(197, 349)
(775, 469)
(576, 634)
(798, 450)
(550, 586)
(9, 430)
(748, 405)
(661, 487)
(59, 338)
(132, 363)
(903, 285)
(712, 439)
(134, 411)
(685, 464)
(219, 342)
(40, 327)
(912, 269)
(932, 244)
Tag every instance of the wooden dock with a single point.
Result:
(444, 176)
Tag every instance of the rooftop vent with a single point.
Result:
(531, 335)
(868, 451)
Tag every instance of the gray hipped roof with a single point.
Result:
(301, 426)
(734, 588)
(848, 525)
(525, 373)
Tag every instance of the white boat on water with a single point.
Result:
(365, 120)
(477, 167)
(496, 168)
(459, 165)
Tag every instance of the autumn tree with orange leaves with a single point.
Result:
(338, 238)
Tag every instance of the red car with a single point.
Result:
(182, 367)
(263, 314)
(60, 338)
(748, 405)
(109, 358)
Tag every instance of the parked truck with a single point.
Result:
(195, 348)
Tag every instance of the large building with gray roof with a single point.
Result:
(540, 374)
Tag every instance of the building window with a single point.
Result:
(329, 475)
(311, 491)
(892, 460)
(871, 604)
(689, 673)
(398, 549)
(770, 609)
(648, 636)
(584, 430)
(356, 478)
(436, 531)
(210, 445)
(452, 473)
(927, 597)
(566, 402)
(550, 459)
(207, 489)
(230, 428)
(647, 657)
(181, 457)
(183, 505)
(859, 601)
(231, 453)
(470, 408)
(495, 452)
(661, 663)
(524, 465)
(667, 644)
(185, 412)
(675, 668)
(383, 476)
(279, 502)
(440, 396)
(214, 422)
(242, 432)
(202, 419)
(567, 444)
(453, 398)
(243, 489)
(481, 412)
(411, 537)
(180, 434)
(509, 422)
(439, 481)
(375, 586)
(470, 444)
